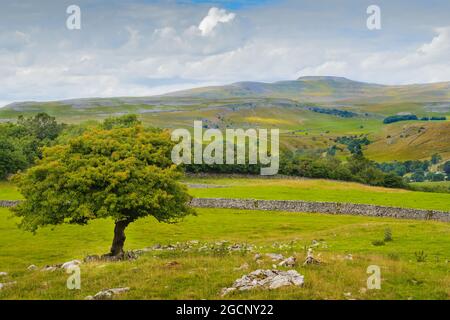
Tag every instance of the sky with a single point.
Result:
(145, 47)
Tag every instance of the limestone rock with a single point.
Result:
(266, 279)
(70, 264)
(7, 284)
(32, 267)
(107, 294)
(275, 256)
(289, 262)
(49, 268)
(310, 258)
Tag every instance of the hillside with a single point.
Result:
(304, 89)
(296, 107)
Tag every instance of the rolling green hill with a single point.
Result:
(296, 107)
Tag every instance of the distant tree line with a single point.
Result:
(354, 144)
(417, 170)
(406, 117)
(356, 168)
(334, 112)
(21, 144)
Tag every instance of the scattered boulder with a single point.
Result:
(244, 266)
(226, 291)
(92, 258)
(70, 264)
(266, 279)
(275, 256)
(7, 284)
(128, 255)
(3, 274)
(257, 256)
(50, 268)
(32, 267)
(289, 262)
(107, 294)
(310, 258)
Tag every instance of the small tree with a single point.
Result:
(122, 173)
(447, 168)
(436, 158)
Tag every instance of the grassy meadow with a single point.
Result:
(415, 265)
(201, 275)
(316, 190)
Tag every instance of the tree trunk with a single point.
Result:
(119, 237)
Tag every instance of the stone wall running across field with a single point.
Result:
(8, 203)
(310, 207)
(323, 207)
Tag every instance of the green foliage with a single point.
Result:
(356, 168)
(334, 112)
(397, 118)
(122, 173)
(388, 235)
(436, 158)
(353, 143)
(378, 243)
(42, 126)
(433, 176)
(126, 121)
(20, 143)
(421, 256)
(447, 168)
(436, 186)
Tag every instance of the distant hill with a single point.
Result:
(323, 89)
(311, 113)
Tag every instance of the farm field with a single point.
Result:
(299, 189)
(344, 246)
(316, 190)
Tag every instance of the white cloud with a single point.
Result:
(214, 17)
(153, 48)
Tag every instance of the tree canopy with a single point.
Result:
(20, 142)
(121, 173)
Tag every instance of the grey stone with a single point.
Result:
(275, 256)
(266, 279)
(70, 264)
(322, 207)
(289, 262)
(7, 284)
(107, 294)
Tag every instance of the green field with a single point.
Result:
(194, 274)
(201, 275)
(9, 192)
(317, 190)
(300, 189)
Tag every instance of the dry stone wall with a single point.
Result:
(323, 207)
(310, 207)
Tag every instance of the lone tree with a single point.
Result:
(122, 173)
